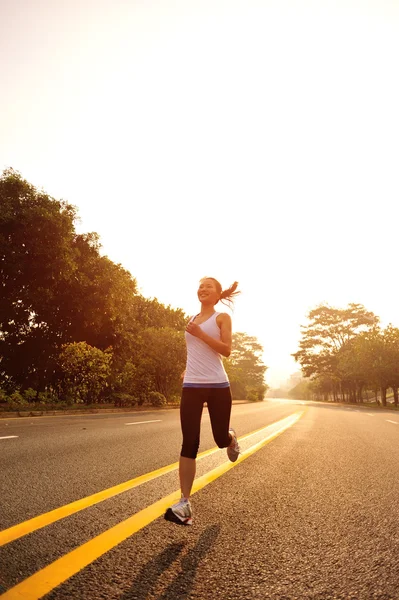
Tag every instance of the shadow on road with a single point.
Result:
(181, 585)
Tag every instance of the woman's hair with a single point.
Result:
(226, 296)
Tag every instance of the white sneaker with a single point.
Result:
(180, 513)
(234, 449)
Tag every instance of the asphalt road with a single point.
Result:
(313, 513)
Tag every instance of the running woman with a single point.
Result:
(208, 339)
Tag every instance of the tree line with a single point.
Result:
(345, 355)
(73, 327)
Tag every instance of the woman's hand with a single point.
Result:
(194, 329)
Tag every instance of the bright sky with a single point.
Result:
(255, 141)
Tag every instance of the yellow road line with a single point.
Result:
(45, 580)
(17, 531)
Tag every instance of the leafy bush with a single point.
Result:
(47, 397)
(124, 379)
(69, 400)
(256, 393)
(122, 399)
(175, 399)
(29, 395)
(16, 401)
(156, 399)
(252, 396)
(16, 398)
(85, 371)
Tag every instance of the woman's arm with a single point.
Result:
(223, 346)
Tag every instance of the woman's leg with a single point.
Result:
(191, 405)
(219, 405)
(187, 468)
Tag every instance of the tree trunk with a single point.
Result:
(360, 394)
(383, 396)
(376, 397)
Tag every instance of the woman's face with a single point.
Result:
(207, 292)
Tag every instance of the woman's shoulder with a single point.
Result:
(222, 317)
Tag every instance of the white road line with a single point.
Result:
(370, 414)
(140, 422)
(8, 437)
(395, 422)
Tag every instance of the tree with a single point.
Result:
(301, 391)
(56, 288)
(163, 354)
(391, 338)
(35, 265)
(372, 360)
(85, 372)
(143, 313)
(329, 331)
(245, 368)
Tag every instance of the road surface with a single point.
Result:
(311, 510)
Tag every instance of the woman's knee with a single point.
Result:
(189, 449)
(222, 441)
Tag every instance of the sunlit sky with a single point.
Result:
(255, 141)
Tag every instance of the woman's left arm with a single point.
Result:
(223, 346)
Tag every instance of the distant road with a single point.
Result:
(310, 511)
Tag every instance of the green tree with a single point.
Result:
(302, 390)
(391, 338)
(372, 360)
(323, 339)
(151, 313)
(85, 372)
(101, 296)
(142, 314)
(56, 288)
(245, 368)
(163, 356)
(35, 263)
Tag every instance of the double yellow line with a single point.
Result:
(45, 580)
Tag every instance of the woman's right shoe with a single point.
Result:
(180, 513)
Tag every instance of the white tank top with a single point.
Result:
(204, 367)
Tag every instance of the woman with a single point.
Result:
(208, 338)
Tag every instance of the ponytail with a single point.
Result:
(229, 294)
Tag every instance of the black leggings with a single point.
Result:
(219, 407)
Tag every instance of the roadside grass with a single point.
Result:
(40, 409)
